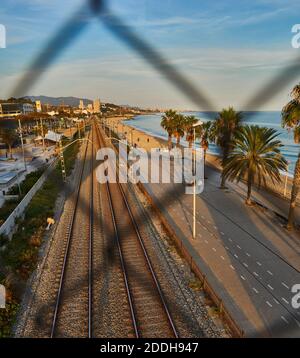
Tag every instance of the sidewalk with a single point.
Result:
(249, 259)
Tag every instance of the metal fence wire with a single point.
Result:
(99, 9)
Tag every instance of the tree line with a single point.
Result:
(248, 152)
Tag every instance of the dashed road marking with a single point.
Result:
(285, 285)
(247, 253)
(285, 300)
(230, 239)
(244, 263)
(243, 278)
(276, 301)
(222, 257)
(222, 233)
(271, 287)
(254, 289)
(236, 256)
(238, 246)
(258, 263)
(285, 320)
(232, 267)
(255, 274)
(269, 304)
(214, 249)
(270, 273)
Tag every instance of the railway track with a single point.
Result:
(150, 316)
(73, 305)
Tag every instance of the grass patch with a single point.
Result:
(21, 255)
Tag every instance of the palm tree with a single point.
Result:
(291, 121)
(167, 123)
(222, 133)
(178, 128)
(9, 136)
(255, 155)
(189, 122)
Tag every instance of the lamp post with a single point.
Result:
(199, 123)
(22, 143)
(286, 179)
(42, 131)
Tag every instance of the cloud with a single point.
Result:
(228, 76)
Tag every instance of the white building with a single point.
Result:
(38, 106)
(81, 104)
(97, 106)
(28, 108)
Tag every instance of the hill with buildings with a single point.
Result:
(58, 101)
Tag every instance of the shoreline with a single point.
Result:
(148, 141)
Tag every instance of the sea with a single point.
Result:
(272, 119)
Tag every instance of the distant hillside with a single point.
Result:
(56, 101)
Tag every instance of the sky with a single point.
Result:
(227, 48)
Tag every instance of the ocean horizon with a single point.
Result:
(271, 119)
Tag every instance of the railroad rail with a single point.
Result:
(149, 310)
(72, 287)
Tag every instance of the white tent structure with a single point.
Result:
(53, 137)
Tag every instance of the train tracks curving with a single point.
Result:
(150, 316)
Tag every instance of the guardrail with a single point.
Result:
(8, 227)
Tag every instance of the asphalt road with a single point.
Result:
(249, 258)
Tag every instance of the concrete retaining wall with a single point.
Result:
(8, 227)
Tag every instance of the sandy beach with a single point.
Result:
(148, 141)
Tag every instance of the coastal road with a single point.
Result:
(251, 261)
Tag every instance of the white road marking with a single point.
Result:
(230, 239)
(284, 300)
(238, 247)
(232, 267)
(276, 301)
(285, 320)
(256, 274)
(244, 263)
(236, 256)
(285, 285)
(215, 228)
(206, 241)
(226, 247)
(222, 257)
(243, 278)
(248, 254)
(270, 273)
(214, 249)
(268, 303)
(271, 287)
(222, 233)
(258, 263)
(254, 289)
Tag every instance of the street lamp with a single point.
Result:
(199, 123)
(22, 143)
(286, 179)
